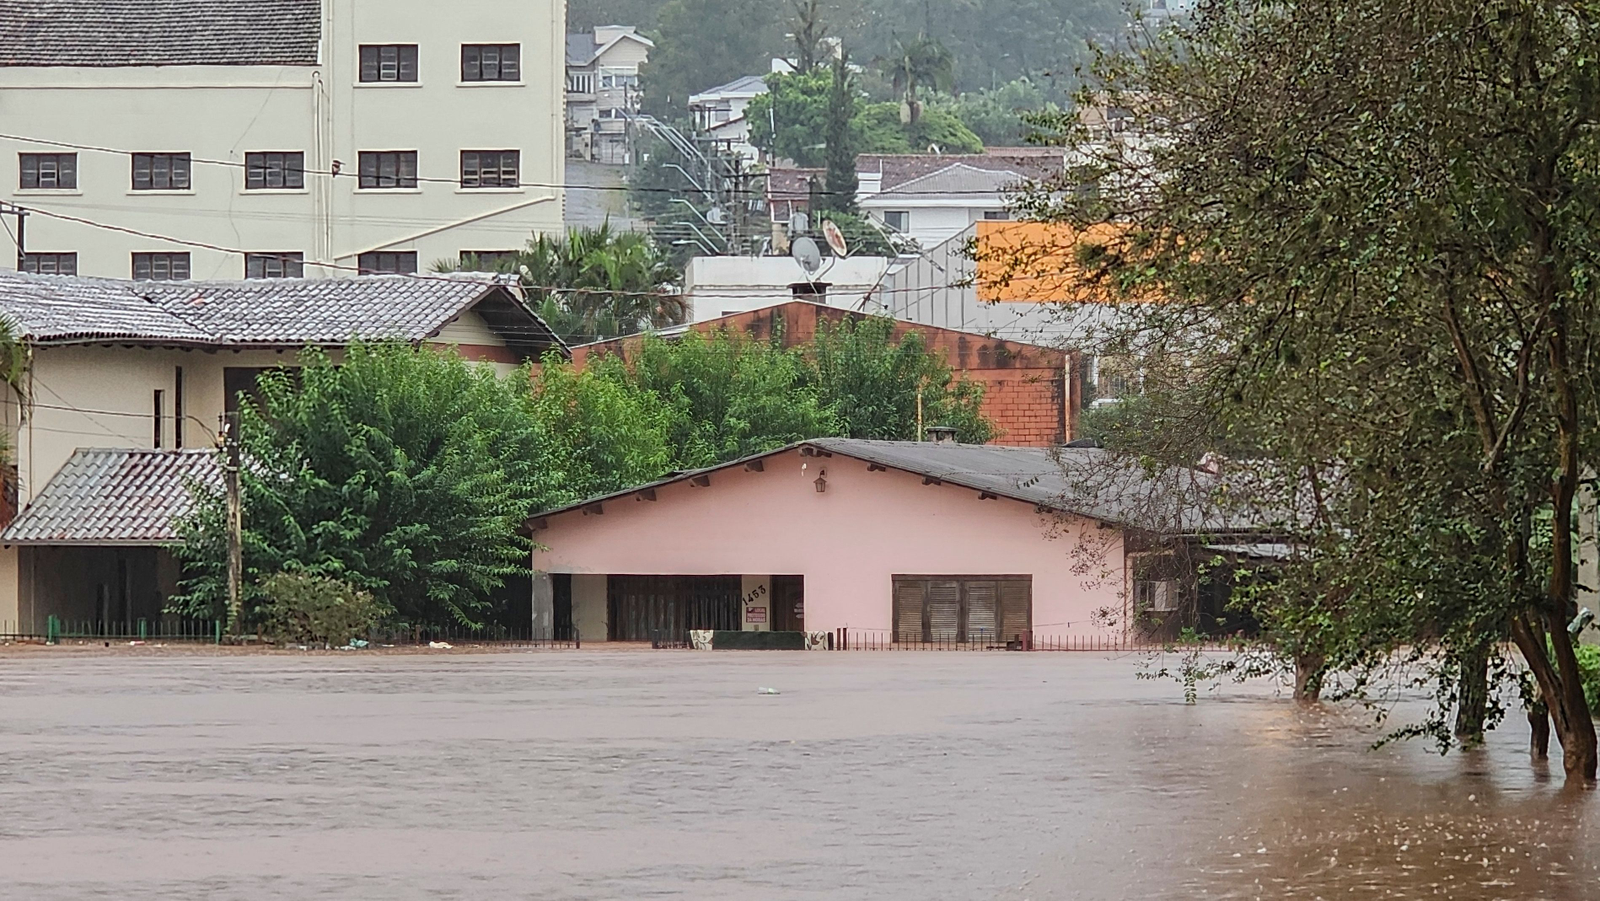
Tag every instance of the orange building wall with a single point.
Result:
(1032, 394)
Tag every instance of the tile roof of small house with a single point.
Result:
(581, 49)
(1080, 481)
(104, 33)
(956, 178)
(54, 309)
(115, 496)
(898, 168)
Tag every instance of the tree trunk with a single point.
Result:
(1539, 727)
(1308, 674)
(1472, 699)
(1562, 693)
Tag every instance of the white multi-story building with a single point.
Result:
(314, 136)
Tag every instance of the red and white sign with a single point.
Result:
(755, 614)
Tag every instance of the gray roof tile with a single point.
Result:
(100, 33)
(53, 309)
(116, 496)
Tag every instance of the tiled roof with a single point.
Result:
(105, 496)
(1087, 482)
(53, 309)
(100, 33)
(899, 168)
(581, 49)
(958, 178)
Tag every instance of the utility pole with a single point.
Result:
(11, 209)
(230, 472)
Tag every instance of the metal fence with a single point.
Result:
(174, 630)
(846, 639)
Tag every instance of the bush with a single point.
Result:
(1589, 672)
(304, 609)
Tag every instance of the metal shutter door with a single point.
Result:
(944, 610)
(1016, 607)
(982, 611)
(908, 601)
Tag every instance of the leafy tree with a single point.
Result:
(704, 43)
(870, 381)
(809, 32)
(1376, 268)
(799, 105)
(995, 115)
(915, 66)
(596, 283)
(406, 472)
(604, 434)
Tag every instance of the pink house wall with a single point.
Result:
(848, 541)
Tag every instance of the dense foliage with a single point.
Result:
(314, 610)
(406, 473)
(798, 105)
(1370, 226)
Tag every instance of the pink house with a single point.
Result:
(900, 540)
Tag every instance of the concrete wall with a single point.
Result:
(719, 286)
(848, 542)
(223, 112)
(589, 611)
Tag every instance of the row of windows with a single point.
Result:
(166, 266)
(479, 62)
(276, 170)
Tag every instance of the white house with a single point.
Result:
(720, 113)
(603, 91)
(934, 197)
(127, 381)
(721, 286)
(290, 136)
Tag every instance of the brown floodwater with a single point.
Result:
(602, 774)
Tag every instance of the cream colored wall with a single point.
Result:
(589, 606)
(221, 113)
(469, 329)
(10, 602)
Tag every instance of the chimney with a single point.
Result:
(941, 434)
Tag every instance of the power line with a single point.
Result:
(821, 192)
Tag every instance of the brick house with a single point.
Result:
(1031, 393)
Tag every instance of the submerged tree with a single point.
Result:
(1369, 227)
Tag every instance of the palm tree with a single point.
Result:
(922, 63)
(597, 283)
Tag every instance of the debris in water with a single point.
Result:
(440, 645)
(766, 691)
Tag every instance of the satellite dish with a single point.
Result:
(831, 231)
(807, 254)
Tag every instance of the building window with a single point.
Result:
(977, 609)
(488, 260)
(1155, 595)
(489, 168)
(388, 262)
(619, 78)
(389, 169)
(899, 220)
(49, 171)
(996, 215)
(51, 263)
(161, 414)
(274, 171)
(161, 171)
(161, 267)
(388, 62)
(275, 265)
(491, 62)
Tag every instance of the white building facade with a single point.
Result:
(315, 137)
(603, 91)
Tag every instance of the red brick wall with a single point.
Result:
(1027, 392)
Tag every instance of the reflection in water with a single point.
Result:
(626, 774)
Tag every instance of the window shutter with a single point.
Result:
(944, 610)
(1016, 607)
(982, 611)
(909, 596)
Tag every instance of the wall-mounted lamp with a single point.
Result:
(822, 481)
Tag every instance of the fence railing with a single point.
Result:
(847, 639)
(173, 630)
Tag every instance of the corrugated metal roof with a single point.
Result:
(106, 496)
(53, 309)
(102, 33)
(1088, 482)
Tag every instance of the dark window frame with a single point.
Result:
(63, 169)
(387, 262)
(162, 172)
(387, 170)
(491, 63)
(162, 261)
(921, 624)
(288, 264)
(388, 64)
(286, 167)
(487, 169)
(34, 262)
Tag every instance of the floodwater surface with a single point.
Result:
(603, 774)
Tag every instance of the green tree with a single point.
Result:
(841, 153)
(870, 381)
(1376, 271)
(604, 433)
(915, 66)
(596, 283)
(405, 472)
(995, 115)
(704, 43)
(799, 106)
